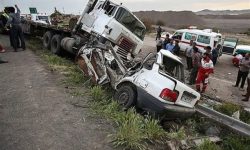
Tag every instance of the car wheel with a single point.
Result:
(126, 96)
(47, 39)
(56, 44)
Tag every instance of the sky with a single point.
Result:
(76, 6)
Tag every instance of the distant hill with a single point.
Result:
(223, 12)
(171, 18)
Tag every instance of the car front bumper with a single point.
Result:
(147, 102)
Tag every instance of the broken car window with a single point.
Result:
(173, 68)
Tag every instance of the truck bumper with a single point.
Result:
(152, 104)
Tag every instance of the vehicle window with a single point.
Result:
(173, 68)
(203, 39)
(230, 42)
(130, 22)
(190, 36)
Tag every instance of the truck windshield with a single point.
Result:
(130, 22)
(44, 18)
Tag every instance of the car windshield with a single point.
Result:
(130, 22)
(173, 68)
(230, 42)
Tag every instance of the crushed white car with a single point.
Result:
(158, 86)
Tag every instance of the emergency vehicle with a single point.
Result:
(202, 38)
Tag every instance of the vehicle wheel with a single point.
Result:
(56, 44)
(126, 96)
(47, 39)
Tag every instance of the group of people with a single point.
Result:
(243, 75)
(11, 20)
(171, 45)
(200, 65)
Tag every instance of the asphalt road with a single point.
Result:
(37, 113)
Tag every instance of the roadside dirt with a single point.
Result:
(220, 83)
(36, 112)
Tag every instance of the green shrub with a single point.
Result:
(130, 133)
(233, 142)
(207, 145)
(227, 108)
(160, 23)
(245, 116)
(97, 93)
(153, 130)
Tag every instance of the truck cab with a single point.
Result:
(116, 24)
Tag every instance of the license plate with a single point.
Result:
(188, 98)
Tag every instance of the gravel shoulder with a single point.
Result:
(36, 112)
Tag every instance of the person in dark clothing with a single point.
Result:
(16, 29)
(215, 54)
(243, 71)
(196, 60)
(208, 50)
(159, 31)
(166, 41)
(247, 95)
(176, 49)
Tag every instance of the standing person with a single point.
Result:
(247, 95)
(188, 53)
(215, 54)
(208, 50)
(17, 32)
(170, 46)
(166, 41)
(2, 50)
(176, 49)
(196, 59)
(159, 30)
(205, 69)
(243, 71)
(159, 43)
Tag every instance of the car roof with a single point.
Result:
(243, 47)
(170, 55)
(200, 32)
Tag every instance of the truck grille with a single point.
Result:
(125, 46)
(123, 54)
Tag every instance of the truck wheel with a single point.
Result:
(126, 96)
(56, 44)
(47, 39)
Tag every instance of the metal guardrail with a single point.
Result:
(232, 123)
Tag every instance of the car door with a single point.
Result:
(229, 44)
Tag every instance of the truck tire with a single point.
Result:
(56, 44)
(47, 39)
(126, 96)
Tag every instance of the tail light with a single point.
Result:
(169, 95)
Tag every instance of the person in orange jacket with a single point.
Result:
(204, 71)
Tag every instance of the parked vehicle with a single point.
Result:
(239, 53)
(202, 38)
(158, 86)
(229, 45)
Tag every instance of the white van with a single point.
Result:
(202, 38)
